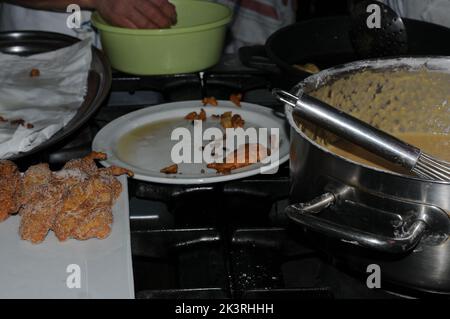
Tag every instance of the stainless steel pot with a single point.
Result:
(364, 215)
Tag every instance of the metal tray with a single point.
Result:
(99, 80)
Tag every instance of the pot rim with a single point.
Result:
(415, 62)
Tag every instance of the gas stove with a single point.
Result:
(226, 240)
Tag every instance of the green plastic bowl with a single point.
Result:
(193, 44)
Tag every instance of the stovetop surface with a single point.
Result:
(227, 240)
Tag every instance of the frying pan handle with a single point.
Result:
(255, 57)
(306, 215)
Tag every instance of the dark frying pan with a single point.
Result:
(326, 43)
(99, 80)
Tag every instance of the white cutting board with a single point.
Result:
(93, 268)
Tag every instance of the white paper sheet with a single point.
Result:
(48, 101)
(49, 270)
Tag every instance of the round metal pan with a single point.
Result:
(99, 81)
(326, 43)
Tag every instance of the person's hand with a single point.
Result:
(137, 14)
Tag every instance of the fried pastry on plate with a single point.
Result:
(244, 156)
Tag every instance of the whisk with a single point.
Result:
(366, 136)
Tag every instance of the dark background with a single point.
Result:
(318, 8)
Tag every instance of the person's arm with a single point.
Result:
(54, 5)
(142, 14)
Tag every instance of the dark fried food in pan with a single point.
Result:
(20, 122)
(17, 122)
(10, 189)
(34, 73)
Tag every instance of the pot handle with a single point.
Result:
(305, 214)
(255, 57)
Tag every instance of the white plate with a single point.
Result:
(42, 271)
(148, 156)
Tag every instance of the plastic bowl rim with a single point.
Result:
(159, 32)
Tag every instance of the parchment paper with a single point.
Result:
(47, 102)
(45, 271)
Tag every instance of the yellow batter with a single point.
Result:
(437, 145)
(412, 105)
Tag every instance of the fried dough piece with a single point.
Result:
(10, 189)
(228, 120)
(87, 209)
(225, 120)
(35, 177)
(87, 163)
(210, 101)
(244, 156)
(118, 171)
(193, 116)
(35, 73)
(41, 201)
(236, 99)
(78, 170)
(202, 115)
(237, 121)
(172, 169)
(75, 202)
(20, 122)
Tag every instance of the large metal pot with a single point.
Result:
(365, 215)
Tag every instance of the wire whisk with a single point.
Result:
(367, 136)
